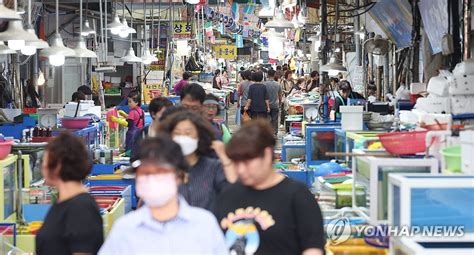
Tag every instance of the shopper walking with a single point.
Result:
(275, 94)
(216, 81)
(207, 176)
(178, 88)
(73, 224)
(212, 109)
(243, 89)
(166, 224)
(258, 101)
(192, 97)
(266, 212)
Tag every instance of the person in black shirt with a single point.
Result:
(314, 82)
(266, 212)
(73, 225)
(345, 92)
(258, 101)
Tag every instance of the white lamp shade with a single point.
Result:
(275, 47)
(271, 33)
(86, 29)
(15, 31)
(8, 14)
(57, 60)
(126, 28)
(16, 44)
(5, 50)
(123, 33)
(266, 12)
(28, 50)
(57, 48)
(82, 51)
(192, 1)
(115, 26)
(147, 58)
(279, 22)
(130, 57)
(40, 44)
(333, 65)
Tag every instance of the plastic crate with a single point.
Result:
(305, 176)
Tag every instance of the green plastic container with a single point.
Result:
(452, 157)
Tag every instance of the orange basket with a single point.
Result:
(404, 143)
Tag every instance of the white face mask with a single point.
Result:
(188, 144)
(158, 189)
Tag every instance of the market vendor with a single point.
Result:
(345, 92)
(166, 224)
(178, 88)
(134, 121)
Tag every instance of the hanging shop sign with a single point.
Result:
(228, 52)
(182, 29)
(151, 91)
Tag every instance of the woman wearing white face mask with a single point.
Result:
(166, 224)
(207, 176)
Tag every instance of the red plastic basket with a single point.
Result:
(404, 143)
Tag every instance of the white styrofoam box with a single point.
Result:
(467, 151)
(352, 118)
(462, 104)
(462, 85)
(464, 68)
(438, 85)
(416, 88)
(431, 118)
(86, 107)
(10, 113)
(433, 104)
(115, 80)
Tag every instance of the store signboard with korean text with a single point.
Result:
(228, 52)
(151, 91)
(182, 29)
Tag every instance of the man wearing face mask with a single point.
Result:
(166, 224)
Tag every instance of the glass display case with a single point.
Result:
(425, 200)
(8, 188)
(293, 149)
(372, 172)
(319, 140)
(409, 246)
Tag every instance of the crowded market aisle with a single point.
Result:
(236, 127)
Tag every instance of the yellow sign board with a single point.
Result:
(151, 91)
(182, 29)
(226, 51)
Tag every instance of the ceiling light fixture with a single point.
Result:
(279, 22)
(7, 13)
(130, 56)
(81, 47)
(57, 52)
